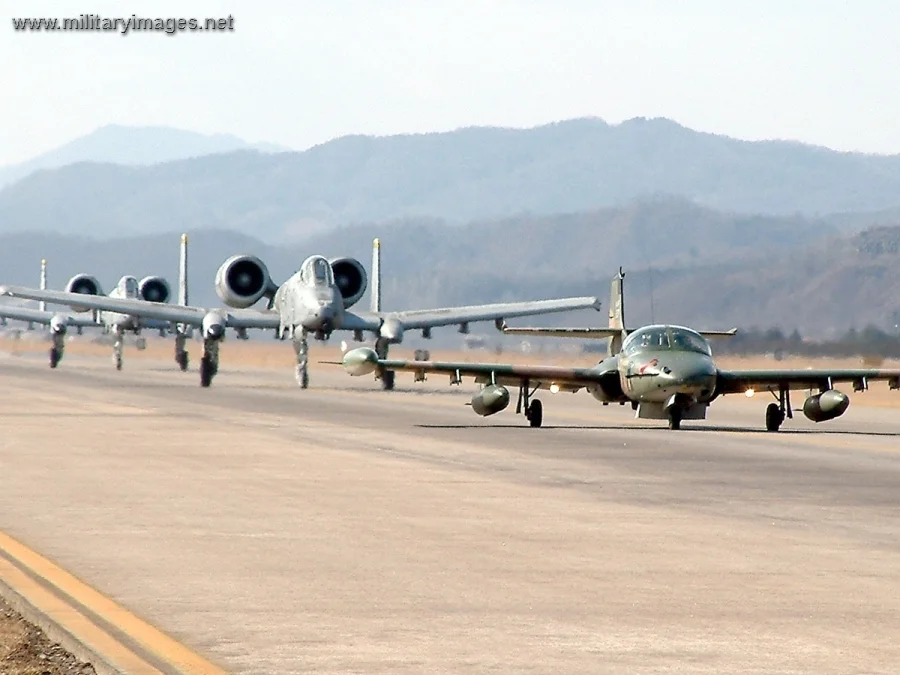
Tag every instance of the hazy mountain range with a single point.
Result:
(461, 176)
(132, 146)
(800, 275)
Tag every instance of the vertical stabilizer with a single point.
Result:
(43, 305)
(182, 272)
(617, 312)
(376, 275)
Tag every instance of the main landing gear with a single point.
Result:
(776, 412)
(181, 354)
(534, 409)
(387, 376)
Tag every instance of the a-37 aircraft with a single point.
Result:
(149, 289)
(316, 301)
(664, 371)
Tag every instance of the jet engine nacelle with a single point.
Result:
(490, 400)
(154, 289)
(86, 284)
(242, 280)
(608, 387)
(826, 406)
(350, 278)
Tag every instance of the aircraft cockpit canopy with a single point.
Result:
(128, 286)
(675, 338)
(316, 271)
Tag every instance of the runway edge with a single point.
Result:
(90, 626)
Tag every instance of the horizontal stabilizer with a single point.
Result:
(597, 333)
(564, 332)
(731, 332)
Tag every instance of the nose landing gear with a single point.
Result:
(674, 418)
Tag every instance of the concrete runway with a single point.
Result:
(348, 530)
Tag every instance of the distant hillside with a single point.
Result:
(664, 232)
(698, 278)
(127, 145)
(460, 176)
(840, 283)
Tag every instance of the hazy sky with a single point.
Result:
(300, 72)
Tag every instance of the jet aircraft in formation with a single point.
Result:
(149, 289)
(663, 371)
(316, 300)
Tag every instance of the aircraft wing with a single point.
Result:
(739, 381)
(363, 360)
(150, 310)
(43, 317)
(363, 321)
(250, 318)
(427, 318)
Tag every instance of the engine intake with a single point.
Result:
(826, 406)
(242, 280)
(351, 279)
(85, 284)
(154, 289)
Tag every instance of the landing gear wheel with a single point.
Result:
(387, 380)
(535, 413)
(183, 360)
(774, 417)
(302, 376)
(55, 356)
(207, 370)
(118, 361)
(141, 343)
(675, 419)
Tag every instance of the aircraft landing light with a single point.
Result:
(749, 393)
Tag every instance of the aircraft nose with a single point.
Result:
(319, 317)
(697, 378)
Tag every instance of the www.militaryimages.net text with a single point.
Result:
(124, 25)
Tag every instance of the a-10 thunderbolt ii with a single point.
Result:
(663, 371)
(315, 300)
(149, 289)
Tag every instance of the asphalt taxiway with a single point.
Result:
(345, 529)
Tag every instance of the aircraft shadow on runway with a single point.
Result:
(626, 427)
(510, 426)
